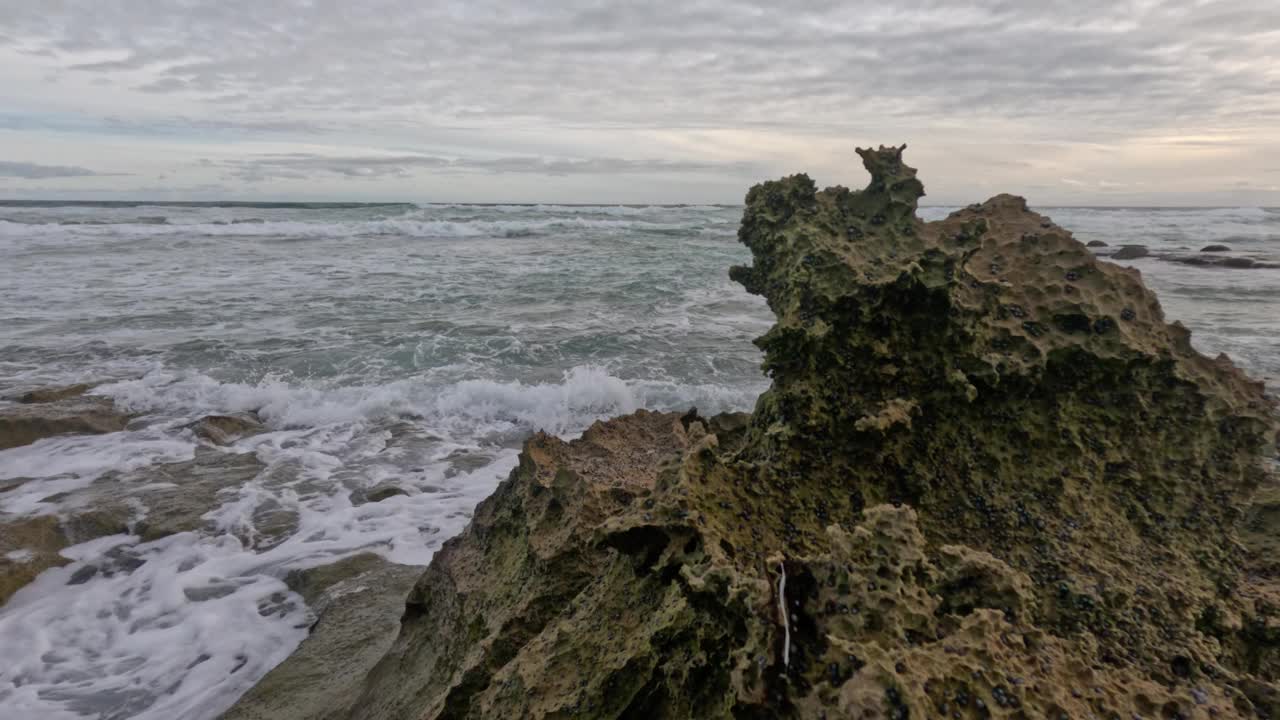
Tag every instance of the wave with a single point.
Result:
(406, 227)
(476, 407)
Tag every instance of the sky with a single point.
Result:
(1095, 102)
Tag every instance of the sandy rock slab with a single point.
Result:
(358, 603)
(151, 502)
(49, 412)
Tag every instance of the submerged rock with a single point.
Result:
(988, 480)
(1130, 252)
(28, 547)
(53, 394)
(63, 411)
(170, 498)
(1221, 261)
(226, 429)
(377, 493)
(1215, 248)
(151, 502)
(1096, 243)
(358, 602)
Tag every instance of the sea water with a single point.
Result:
(417, 345)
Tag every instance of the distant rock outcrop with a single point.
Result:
(1130, 252)
(989, 480)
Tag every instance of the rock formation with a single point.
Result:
(48, 412)
(989, 480)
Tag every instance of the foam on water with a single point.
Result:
(179, 627)
(379, 350)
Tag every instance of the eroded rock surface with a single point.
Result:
(989, 480)
(358, 603)
(50, 412)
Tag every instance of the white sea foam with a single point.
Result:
(179, 627)
(405, 226)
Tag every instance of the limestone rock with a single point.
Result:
(377, 493)
(988, 480)
(27, 422)
(358, 602)
(226, 429)
(54, 393)
(151, 502)
(28, 547)
(173, 496)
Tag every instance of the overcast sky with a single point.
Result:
(1117, 102)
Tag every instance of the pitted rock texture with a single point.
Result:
(989, 480)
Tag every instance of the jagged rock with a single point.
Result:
(27, 422)
(988, 480)
(1130, 252)
(226, 429)
(1095, 243)
(1215, 248)
(358, 602)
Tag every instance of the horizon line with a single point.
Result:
(341, 204)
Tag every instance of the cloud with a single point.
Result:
(299, 166)
(697, 63)
(567, 87)
(32, 171)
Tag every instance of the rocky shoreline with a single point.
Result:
(989, 480)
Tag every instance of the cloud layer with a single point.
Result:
(400, 90)
(35, 171)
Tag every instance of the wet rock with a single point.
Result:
(28, 547)
(1215, 248)
(53, 394)
(83, 575)
(226, 429)
(377, 493)
(151, 502)
(466, 461)
(987, 475)
(1236, 262)
(179, 494)
(1095, 243)
(270, 524)
(158, 500)
(357, 603)
(25, 423)
(1130, 252)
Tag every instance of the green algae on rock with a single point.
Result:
(989, 480)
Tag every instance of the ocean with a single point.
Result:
(405, 343)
